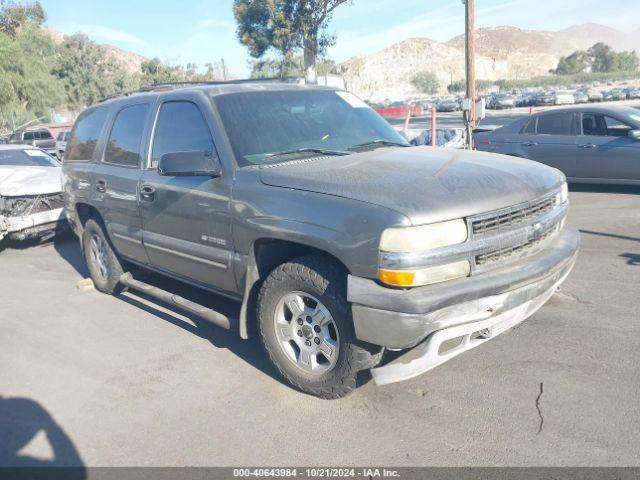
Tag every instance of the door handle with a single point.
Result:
(529, 144)
(587, 145)
(147, 193)
(101, 186)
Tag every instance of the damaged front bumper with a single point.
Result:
(32, 226)
(471, 310)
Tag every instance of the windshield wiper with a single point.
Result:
(321, 151)
(373, 143)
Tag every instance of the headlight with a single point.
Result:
(423, 237)
(563, 195)
(425, 276)
(408, 241)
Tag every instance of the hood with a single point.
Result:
(17, 181)
(426, 184)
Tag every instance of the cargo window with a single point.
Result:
(84, 136)
(28, 136)
(125, 140)
(180, 128)
(555, 124)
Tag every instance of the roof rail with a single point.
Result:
(155, 87)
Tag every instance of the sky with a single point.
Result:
(203, 31)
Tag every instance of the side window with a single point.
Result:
(28, 136)
(180, 128)
(123, 147)
(530, 127)
(616, 128)
(555, 124)
(593, 124)
(84, 136)
(45, 134)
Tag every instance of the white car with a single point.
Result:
(31, 202)
(565, 97)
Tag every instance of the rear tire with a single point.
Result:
(306, 328)
(104, 266)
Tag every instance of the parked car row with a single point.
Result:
(41, 137)
(499, 101)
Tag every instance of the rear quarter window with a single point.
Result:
(85, 134)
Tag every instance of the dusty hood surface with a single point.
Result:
(426, 184)
(17, 181)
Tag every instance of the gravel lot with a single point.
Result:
(121, 381)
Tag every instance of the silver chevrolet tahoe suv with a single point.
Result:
(338, 239)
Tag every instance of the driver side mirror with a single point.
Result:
(189, 164)
(635, 134)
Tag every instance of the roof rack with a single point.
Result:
(156, 87)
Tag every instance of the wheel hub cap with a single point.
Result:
(306, 332)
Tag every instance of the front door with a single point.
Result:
(606, 150)
(186, 219)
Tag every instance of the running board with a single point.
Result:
(214, 317)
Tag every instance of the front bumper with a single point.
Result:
(31, 226)
(496, 300)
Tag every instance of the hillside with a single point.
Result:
(501, 53)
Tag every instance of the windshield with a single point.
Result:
(262, 124)
(27, 158)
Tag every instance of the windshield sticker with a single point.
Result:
(35, 153)
(352, 100)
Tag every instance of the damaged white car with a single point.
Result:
(31, 203)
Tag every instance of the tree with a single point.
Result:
(87, 73)
(577, 62)
(288, 27)
(288, 67)
(426, 82)
(14, 16)
(626, 62)
(602, 58)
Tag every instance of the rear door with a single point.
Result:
(116, 177)
(78, 165)
(187, 226)
(554, 142)
(606, 150)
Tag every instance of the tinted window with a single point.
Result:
(85, 133)
(45, 134)
(555, 124)
(180, 128)
(530, 127)
(593, 124)
(28, 136)
(123, 147)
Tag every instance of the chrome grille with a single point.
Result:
(510, 217)
(514, 252)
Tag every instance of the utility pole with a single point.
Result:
(469, 36)
(224, 70)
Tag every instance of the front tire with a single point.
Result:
(306, 327)
(103, 263)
